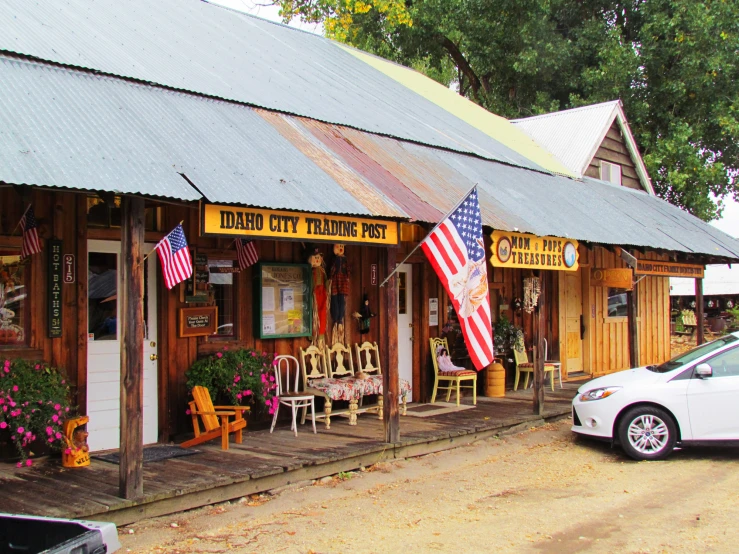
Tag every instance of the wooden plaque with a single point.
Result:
(197, 322)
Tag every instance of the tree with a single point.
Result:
(673, 63)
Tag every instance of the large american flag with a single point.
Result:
(457, 253)
(31, 244)
(174, 256)
(246, 253)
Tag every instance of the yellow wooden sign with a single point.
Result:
(222, 220)
(669, 269)
(534, 252)
(612, 278)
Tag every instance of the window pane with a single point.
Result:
(12, 299)
(402, 292)
(102, 296)
(223, 292)
(725, 364)
(617, 306)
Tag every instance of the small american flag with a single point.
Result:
(29, 225)
(246, 253)
(174, 256)
(456, 252)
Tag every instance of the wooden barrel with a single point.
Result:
(495, 380)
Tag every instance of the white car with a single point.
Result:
(693, 398)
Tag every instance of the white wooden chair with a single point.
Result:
(453, 379)
(557, 364)
(292, 396)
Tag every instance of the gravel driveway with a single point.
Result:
(542, 490)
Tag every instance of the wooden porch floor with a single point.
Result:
(264, 461)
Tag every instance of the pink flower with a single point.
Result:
(55, 418)
(6, 369)
(248, 392)
(253, 354)
(271, 377)
(3, 425)
(64, 382)
(264, 353)
(15, 388)
(19, 464)
(51, 440)
(49, 431)
(187, 412)
(57, 407)
(20, 430)
(29, 434)
(58, 435)
(219, 355)
(66, 409)
(38, 366)
(225, 348)
(237, 378)
(238, 396)
(68, 451)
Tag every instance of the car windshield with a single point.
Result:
(694, 354)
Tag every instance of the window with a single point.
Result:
(102, 296)
(617, 303)
(222, 287)
(725, 364)
(402, 293)
(101, 214)
(610, 172)
(13, 299)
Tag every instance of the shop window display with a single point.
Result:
(13, 299)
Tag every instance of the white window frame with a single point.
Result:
(610, 172)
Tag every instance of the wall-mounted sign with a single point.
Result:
(533, 252)
(225, 220)
(54, 289)
(612, 278)
(669, 269)
(70, 270)
(433, 312)
(195, 322)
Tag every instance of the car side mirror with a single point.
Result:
(703, 370)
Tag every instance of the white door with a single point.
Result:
(103, 346)
(713, 402)
(405, 322)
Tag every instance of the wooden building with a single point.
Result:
(88, 141)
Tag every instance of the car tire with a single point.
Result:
(647, 433)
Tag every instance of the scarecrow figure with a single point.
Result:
(340, 274)
(320, 297)
(363, 316)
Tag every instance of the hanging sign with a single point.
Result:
(433, 312)
(54, 289)
(223, 220)
(669, 269)
(373, 274)
(533, 252)
(612, 278)
(70, 272)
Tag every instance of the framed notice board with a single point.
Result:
(197, 322)
(284, 295)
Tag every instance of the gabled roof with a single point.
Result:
(575, 135)
(194, 46)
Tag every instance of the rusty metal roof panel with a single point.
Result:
(199, 47)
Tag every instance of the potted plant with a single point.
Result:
(34, 401)
(507, 337)
(236, 377)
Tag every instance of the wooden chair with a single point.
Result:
(293, 398)
(556, 363)
(339, 361)
(202, 406)
(368, 350)
(454, 379)
(524, 366)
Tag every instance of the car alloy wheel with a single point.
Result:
(647, 433)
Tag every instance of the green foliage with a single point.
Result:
(673, 63)
(34, 401)
(506, 336)
(734, 313)
(236, 376)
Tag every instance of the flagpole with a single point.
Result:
(153, 249)
(428, 235)
(21, 219)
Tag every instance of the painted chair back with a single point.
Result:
(339, 361)
(201, 396)
(365, 354)
(520, 357)
(313, 362)
(436, 343)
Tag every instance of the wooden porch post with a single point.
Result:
(390, 381)
(131, 476)
(539, 332)
(699, 311)
(631, 306)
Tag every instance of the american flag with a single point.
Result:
(174, 256)
(246, 253)
(456, 252)
(31, 244)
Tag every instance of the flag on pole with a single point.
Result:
(457, 253)
(246, 252)
(31, 244)
(174, 256)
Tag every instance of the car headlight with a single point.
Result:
(598, 394)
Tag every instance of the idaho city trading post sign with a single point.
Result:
(220, 220)
(533, 252)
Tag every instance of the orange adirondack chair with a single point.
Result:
(203, 406)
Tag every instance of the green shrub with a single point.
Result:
(236, 377)
(34, 401)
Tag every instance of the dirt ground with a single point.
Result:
(542, 490)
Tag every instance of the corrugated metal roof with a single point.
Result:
(573, 136)
(66, 128)
(195, 46)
